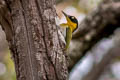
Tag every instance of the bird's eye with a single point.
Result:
(73, 18)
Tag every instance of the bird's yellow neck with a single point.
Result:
(71, 24)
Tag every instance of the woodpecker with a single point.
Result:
(71, 26)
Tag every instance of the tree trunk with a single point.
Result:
(36, 45)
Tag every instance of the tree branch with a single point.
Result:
(99, 24)
(99, 68)
(5, 20)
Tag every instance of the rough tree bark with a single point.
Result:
(99, 24)
(35, 43)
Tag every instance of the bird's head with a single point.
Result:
(71, 20)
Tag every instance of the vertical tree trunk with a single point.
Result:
(36, 46)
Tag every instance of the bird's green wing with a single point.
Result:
(68, 37)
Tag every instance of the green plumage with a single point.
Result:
(72, 25)
(68, 37)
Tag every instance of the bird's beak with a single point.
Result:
(67, 17)
(65, 14)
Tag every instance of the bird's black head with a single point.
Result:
(73, 19)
